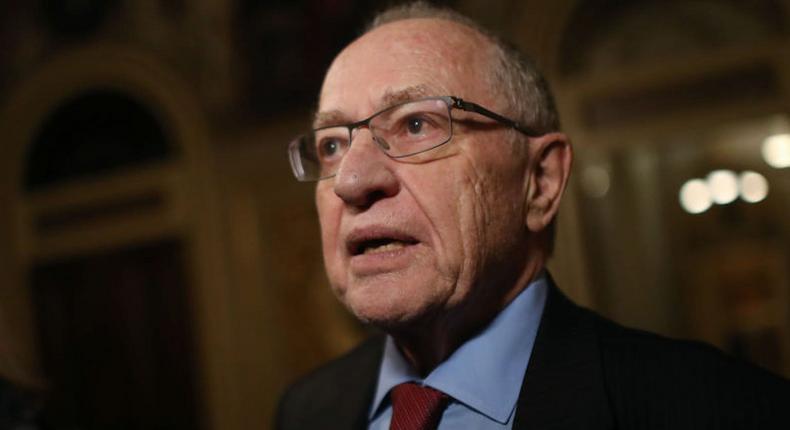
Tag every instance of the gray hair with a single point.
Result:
(514, 73)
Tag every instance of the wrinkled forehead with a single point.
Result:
(437, 56)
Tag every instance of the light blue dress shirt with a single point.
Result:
(483, 377)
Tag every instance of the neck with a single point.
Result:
(428, 343)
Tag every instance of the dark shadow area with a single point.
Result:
(91, 133)
(116, 340)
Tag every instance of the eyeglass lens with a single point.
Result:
(402, 130)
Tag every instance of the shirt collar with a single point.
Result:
(487, 371)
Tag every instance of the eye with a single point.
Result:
(415, 125)
(330, 144)
(329, 148)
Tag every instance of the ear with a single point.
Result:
(551, 157)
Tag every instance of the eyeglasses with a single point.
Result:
(402, 130)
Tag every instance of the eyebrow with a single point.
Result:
(390, 98)
(414, 92)
(329, 118)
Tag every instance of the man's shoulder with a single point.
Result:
(339, 389)
(624, 347)
(687, 380)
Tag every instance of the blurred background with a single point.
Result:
(161, 268)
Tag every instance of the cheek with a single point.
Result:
(326, 217)
(488, 208)
(329, 211)
(501, 205)
(457, 211)
(474, 219)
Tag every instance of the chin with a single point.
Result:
(387, 307)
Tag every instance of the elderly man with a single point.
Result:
(440, 170)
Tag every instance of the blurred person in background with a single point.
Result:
(436, 226)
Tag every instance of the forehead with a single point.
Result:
(438, 56)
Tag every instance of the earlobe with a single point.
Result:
(532, 207)
(536, 214)
(551, 157)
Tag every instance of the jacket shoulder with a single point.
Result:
(339, 391)
(675, 383)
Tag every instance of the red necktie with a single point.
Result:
(415, 407)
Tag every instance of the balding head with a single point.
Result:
(437, 52)
(511, 73)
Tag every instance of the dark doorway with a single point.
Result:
(116, 340)
(93, 133)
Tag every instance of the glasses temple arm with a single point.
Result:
(474, 107)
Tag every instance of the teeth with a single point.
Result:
(389, 246)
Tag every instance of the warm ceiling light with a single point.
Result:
(776, 150)
(695, 196)
(723, 186)
(753, 186)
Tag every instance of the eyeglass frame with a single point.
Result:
(452, 102)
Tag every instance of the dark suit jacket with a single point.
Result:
(585, 373)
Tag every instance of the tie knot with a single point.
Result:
(416, 407)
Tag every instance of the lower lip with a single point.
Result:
(375, 263)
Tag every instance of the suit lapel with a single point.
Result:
(353, 399)
(337, 395)
(563, 387)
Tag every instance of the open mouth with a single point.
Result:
(379, 245)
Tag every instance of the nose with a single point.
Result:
(365, 174)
